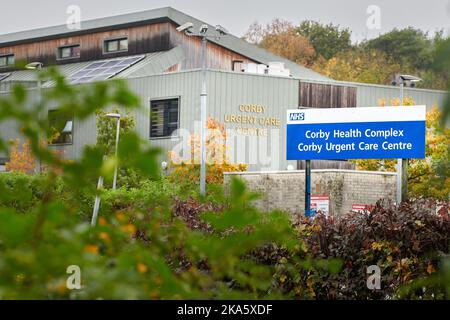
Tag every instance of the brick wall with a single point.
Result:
(285, 190)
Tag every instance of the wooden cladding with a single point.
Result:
(318, 95)
(141, 39)
(217, 57)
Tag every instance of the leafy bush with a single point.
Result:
(407, 243)
(139, 250)
(190, 173)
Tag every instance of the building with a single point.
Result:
(249, 89)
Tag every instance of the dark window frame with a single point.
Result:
(167, 132)
(71, 133)
(8, 57)
(234, 63)
(118, 40)
(59, 56)
(3, 162)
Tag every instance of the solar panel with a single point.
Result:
(102, 70)
(4, 76)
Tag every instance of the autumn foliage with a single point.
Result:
(360, 66)
(217, 158)
(21, 158)
(281, 38)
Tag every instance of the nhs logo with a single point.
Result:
(297, 116)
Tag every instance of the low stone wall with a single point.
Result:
(285, 190)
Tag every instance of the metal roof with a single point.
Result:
(30, 75)
(153, 63)
(230, 42)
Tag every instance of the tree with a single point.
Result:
(410, 47)
(106, 140)
(217, 159)
(429, 177)
(281, 38)
(327, 40)
(442, 65)
(359, 66)
(21, 158)
(107, 128)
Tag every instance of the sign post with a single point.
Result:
(354, 133)
(308, 189)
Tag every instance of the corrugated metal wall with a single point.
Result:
(369, 95)
(227, 91)
(230, 90)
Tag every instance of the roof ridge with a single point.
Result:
(85, 21)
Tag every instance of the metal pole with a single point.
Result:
(203, 98)
(401, 162)
(97, 203)
(38, 160)
(117, 147)
(404, 164)
(308, 188)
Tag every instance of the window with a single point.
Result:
(60, 127)
(163, 117)
(116, 45)
(237, 65)
(6, 60)
(69, 52)
(3, 162)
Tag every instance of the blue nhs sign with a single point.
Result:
(356, 133)
(296, 116)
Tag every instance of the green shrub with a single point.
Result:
(407, 243)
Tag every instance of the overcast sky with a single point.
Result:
(237, 15)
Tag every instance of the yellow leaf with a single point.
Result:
(129, 228)
(102, 221)
(120, 216)
(91, 249)
(142, 268)
(377, 246)
(105, 237)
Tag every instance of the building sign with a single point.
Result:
(320, 204)
(356, 133)
(252, 120)
(361, 208)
